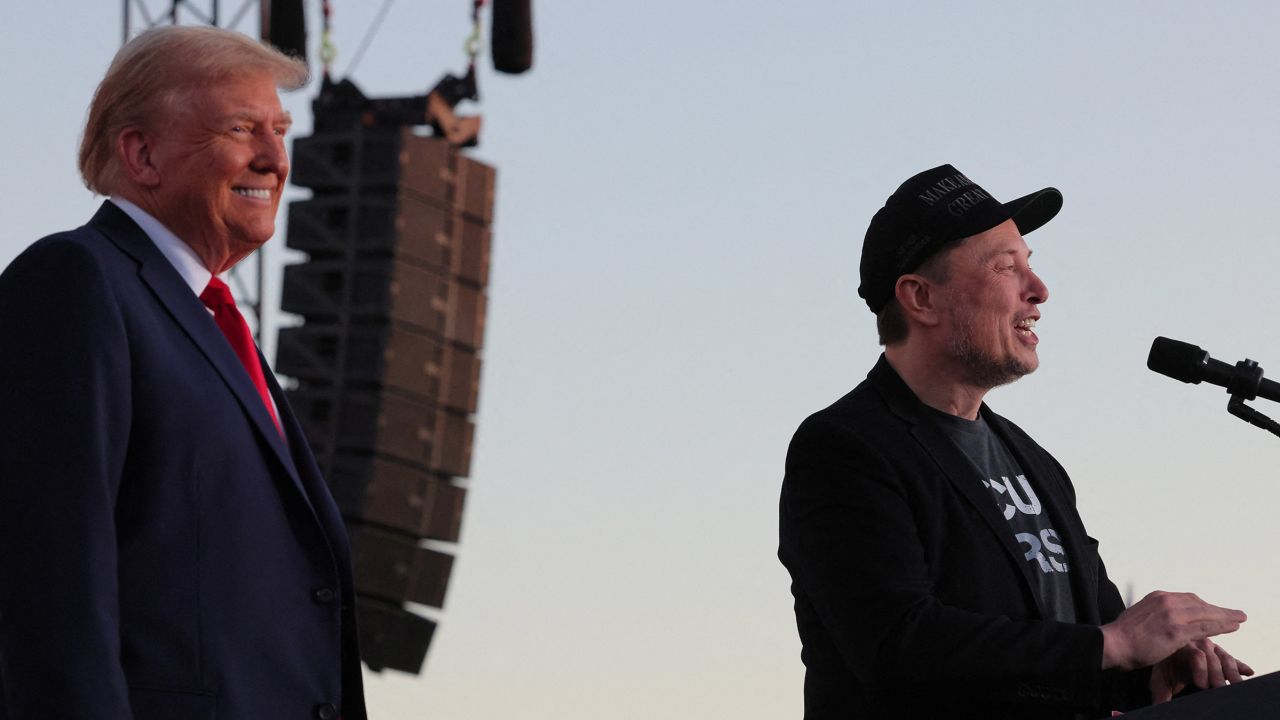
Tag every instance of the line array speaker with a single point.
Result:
(387, 361)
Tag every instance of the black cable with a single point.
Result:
(368, 37)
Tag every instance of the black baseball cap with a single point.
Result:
(930, 211)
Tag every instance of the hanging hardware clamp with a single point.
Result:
(341, 105)
(458, 130)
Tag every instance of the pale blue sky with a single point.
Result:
(683, 188)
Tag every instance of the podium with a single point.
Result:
(1250, 700)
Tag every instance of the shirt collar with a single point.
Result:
(178, 253)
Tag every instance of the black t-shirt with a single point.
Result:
(1015, 497)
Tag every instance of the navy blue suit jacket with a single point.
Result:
(164, 553)
(912, 598)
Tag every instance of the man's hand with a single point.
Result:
(1161, 624)
(1202, 663)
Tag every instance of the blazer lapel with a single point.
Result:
(312, 481)
(965, 478)
(1053, 485)
(194, 319)
(955, 465)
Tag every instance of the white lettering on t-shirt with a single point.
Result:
(1046, 549)
(1027, 503)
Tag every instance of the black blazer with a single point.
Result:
(164, 553)
(911, 595)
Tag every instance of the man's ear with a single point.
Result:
(135, 146)
(919, 299)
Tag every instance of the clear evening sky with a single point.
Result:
(683, 189)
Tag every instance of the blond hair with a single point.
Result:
(150, 73)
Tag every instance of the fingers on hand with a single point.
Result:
(1165, 621)
(1210, 666)
(1199, 618)
(1233, 670)
(1218, 667)
(1160, 693)
(1198, 660)
(1163, 682)
(1210, 628)
(1192, 606)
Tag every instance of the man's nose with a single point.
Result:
(271, 156)
(1037, 291)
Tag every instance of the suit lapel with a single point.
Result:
(191, 315)
(1051, 483)
(955, 465)
(312, 482)
(966, 479)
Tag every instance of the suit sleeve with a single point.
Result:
(64, 425)
(1121, 690)
(849, 538)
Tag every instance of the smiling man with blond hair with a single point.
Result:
(168, 549)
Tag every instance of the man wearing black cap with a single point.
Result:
(938, 563)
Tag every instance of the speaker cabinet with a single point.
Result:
(387, 361)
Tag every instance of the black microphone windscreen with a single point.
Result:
(284, 26)
(512, 36)
(1176, 359)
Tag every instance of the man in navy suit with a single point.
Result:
(938, 563)
(168, 549)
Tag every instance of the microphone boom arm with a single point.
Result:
(1236, 407)
(1244, 386)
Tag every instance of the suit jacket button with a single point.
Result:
(324, 595)
(326, 711)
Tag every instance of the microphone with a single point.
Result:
(1190, 364)
(284, 26)
(511, 31)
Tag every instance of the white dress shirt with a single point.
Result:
(178, 253)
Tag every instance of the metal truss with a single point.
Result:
(140, 14)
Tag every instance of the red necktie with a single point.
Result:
(217, 297)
